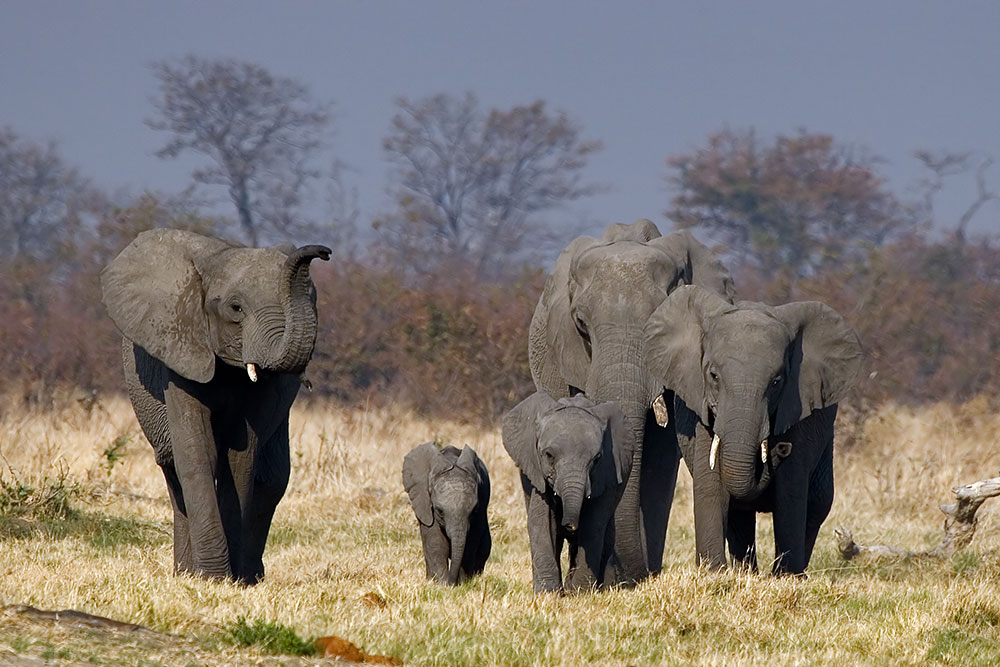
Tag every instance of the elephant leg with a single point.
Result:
(231, 495)
(182, 537)
(711, 502)
(437, 548)
(791, 500)
(820, 499)
(196, 464)
(271, 471)
(741, 534)
(610, 577)
(478, 544)
(546, 570)
(658, 478)
(590, 559)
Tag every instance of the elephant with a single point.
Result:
(754, 385)
(216, 338)
(586, 336)
(575, 458)
(449, 490)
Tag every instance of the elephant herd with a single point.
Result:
(640, 354)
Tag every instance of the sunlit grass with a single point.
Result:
(345, 530)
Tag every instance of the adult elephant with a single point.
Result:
(755, 384)
(587, 336)
(216, 337)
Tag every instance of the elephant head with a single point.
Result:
(575, 447)
(445, 487)
(587, 334)
(189, 300)
(750, 371)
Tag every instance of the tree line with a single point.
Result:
(434, 312)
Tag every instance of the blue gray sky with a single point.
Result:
(649, 79)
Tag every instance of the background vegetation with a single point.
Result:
(428, 305)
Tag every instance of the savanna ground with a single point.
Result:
(85, 524)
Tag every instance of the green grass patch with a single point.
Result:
(269, 636)
(953, 646)
(965, 562)
(289, 534)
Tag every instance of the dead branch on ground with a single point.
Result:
(959, 526)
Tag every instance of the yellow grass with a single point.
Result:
(345, 529)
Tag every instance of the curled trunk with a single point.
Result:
(299, 336)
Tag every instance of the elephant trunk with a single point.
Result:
(457, 537)
(299, 333)
(741, 430)
(571, 492)
(618, 373)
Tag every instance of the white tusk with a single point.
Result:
(660, 411)
(252, 372)
(714, 453)
(763, 450)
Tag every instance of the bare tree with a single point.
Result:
(472, 185)
(260, 131)
(795, 205)
(43, 201)
(945, 165)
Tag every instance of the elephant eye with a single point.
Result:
(776, 382)
(713, 375)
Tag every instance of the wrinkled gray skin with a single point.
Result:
(748, 373)
(575, 458)
(449, 491)
(194, 312)
(587, 337)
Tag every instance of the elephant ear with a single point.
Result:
(480, 472)
(556, 343)
(416, 471)
(520, 435)
(696, 263)
(154, 295)
(674, 343)
(824, 364)
(616, 460)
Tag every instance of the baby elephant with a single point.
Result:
(574, 460)
(449, 490)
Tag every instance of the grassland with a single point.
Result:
(85, 524)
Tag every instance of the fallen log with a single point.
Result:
(959, 526)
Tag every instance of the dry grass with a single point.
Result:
(345, 530)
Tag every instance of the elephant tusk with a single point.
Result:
(763, 450)
(660, 411)
(252, 372)
(714, 453)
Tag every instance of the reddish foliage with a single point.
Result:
(926, 314)
(456, 346)
(453, 346)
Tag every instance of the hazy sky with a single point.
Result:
(650, 79)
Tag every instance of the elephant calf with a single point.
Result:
(575, 460)
(449, 490)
